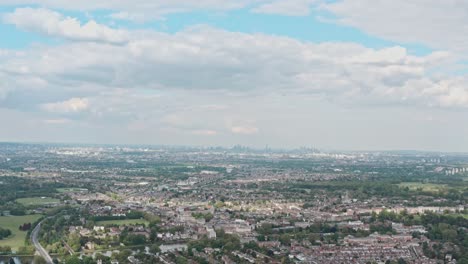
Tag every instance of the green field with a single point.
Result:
(37, 201)
(13, 222)
(426, 187)
(68, 190)
(123, 222)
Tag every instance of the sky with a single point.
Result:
(330, 74)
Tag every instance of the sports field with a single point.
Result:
(37, 201)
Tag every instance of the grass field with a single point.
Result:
(13, 222)
(37, 201)
(427, 187)
(67, 190)
(123, 222)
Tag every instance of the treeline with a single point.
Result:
(15, 187)
(174, 171)
(382, 188)
(5, 250)
(129, 215)
(130, 239)
(363, 188)
(13, 208)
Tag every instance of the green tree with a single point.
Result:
(39, 260)
(72, 260)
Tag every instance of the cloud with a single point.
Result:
(205, 132)
(244, 130)
(50, 23)
(241, 124)
(187, 120)
(289, 8)
(73, 105)
(437, 24)
(122, 79)
(3, 92)
(60, 121)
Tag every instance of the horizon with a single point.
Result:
(231, 147)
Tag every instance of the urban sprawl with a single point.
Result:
(149, 204)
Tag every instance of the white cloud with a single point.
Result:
(73, 105)
(59, 121)
(119, 81)
(289, 7)
(204, 132)
(437, 24)
(244, 130)
(47, 22)
(206, 59)
(241, 124)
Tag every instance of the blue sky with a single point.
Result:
(329, 74)
(317, 27)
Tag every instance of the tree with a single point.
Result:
(284, 239)
(401, 261)
(5, 250)
(88, 260)
(72, 260)
(39, 260)
(4, 233)
(154, 249)
(74, 242)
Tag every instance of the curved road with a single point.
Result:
(38, 246)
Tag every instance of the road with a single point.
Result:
(70, 250)
(38, 246)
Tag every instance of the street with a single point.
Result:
(38, 246)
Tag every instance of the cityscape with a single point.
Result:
(150, 204)
(234, 131)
